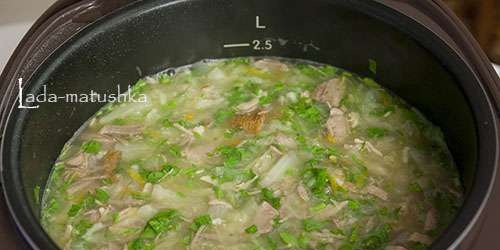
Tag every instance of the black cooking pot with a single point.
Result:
(430, 62)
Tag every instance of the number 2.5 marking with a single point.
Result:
(262, 45)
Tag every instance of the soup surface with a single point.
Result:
(255, 154)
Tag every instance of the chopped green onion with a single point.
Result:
(251, 229)
(376, 132)
(74, 209)
(203, 220)
(268, 196)
(230, 155)
(91, 147)
(101, 195)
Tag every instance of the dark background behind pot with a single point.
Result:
(482, 17)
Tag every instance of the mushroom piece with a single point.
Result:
(248, 107)
(81, 186)
(377, 192)
(301, 190)
(431, 220)
(77, 160)
(110, 161)
(87, 168)
(422, 238)
(196, 241)
(121, 130)
(326, 236)
(264, 218)
(337, 125)
(395, 248)
(250, 122)
(330, 92)
(270, 65)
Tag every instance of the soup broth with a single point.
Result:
(255, 154)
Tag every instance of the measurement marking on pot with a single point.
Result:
(236, 45)
(262, 44)
(257, 23)
(256, 45)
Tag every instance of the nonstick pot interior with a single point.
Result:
(150, 36)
